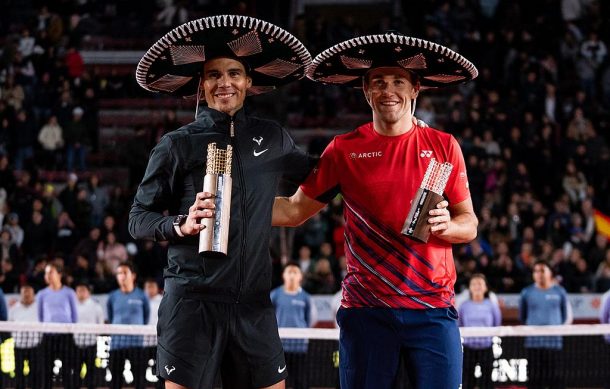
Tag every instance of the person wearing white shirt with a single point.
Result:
(26, 343)
(90, 312)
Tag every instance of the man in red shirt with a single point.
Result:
(398, 294)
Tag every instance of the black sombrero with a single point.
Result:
(174, 63)
(346, 62)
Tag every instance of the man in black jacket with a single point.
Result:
(216, 313)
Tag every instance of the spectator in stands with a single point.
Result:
(322, 279)
(57, 304)
(91, 312)
(98, 198)
(375, 302)
(127, 305)
(26, 343)
(39, 237)
(104, 280)
(544, 303)
(151, 288)
(76, 137)
(294, 309)
(8, 249)
(604, 318)
(24, 133)
(602, 275)
(478, 311)
(88, 246)
(66, 234)
(15, 230)
(51, 140)
(111, 251)
(67, 196)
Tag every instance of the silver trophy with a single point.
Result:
(429, 194)
(214, 238)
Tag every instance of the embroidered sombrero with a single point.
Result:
(346, 62)
(174, 63)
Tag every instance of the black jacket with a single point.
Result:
(263, 153)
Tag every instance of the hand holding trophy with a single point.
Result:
(214, 238)
(429, 194)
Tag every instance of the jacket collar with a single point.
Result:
(211, 116)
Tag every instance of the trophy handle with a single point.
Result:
(416, 225)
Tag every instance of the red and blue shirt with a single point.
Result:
(378, 177)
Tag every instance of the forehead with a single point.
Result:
(223, 63)
(391, 71)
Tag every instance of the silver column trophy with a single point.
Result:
(214, 238)
(429, 194)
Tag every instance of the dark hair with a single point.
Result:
(130, 265)
(291, 263)
(544, 263)
(57, 266)
(481, 276)
(83, 282)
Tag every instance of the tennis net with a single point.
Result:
(78, 355)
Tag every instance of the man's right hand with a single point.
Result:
(203, 207)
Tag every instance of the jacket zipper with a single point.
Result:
(243, 207)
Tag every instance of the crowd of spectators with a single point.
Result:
(533, 128)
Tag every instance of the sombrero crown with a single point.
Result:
(346, 62)
(174, 63)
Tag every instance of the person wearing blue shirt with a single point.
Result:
(478, 311)
(544, 303)
(293, 308)
(127, 305)
(57, 304)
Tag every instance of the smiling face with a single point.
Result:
(389, 91)
(225, 83)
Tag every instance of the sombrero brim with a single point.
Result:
(346, 62)
(174, 63)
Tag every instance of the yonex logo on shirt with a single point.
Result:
(372, 154)
(425, 153)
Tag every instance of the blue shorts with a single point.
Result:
(373, 339)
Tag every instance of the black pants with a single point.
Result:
(58, 346)
(32, 355)
(135, 356)
(86, 355)
(484, 359)
(545, 368)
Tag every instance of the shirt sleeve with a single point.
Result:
(564, 305)
(604, 313)
(39, 304)
(109, 307)
(497, 314)
(146, 308)
(73, 310)
(457, 189)
(154, 195)
(322, 183)
(523, 307)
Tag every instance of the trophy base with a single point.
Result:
(212, 254)
(416, 226)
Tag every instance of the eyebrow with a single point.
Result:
(228, 70)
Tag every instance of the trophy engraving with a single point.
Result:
(214, 238)
(429, 194)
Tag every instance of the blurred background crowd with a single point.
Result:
(76, 130)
